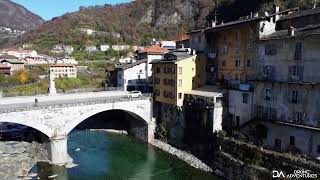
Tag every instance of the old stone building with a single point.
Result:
(286, 90)
(62, 70)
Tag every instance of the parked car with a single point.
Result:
(134, 94)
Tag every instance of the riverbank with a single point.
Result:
(182, 155)
(17, 158)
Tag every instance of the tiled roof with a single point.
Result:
(299, 32)
(16, 50)
(180, 55)
(155, 49)
(12, 61)
(301, 13)
(130, 65)
(6, 56)
(62, 65)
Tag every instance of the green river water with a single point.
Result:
(105, 156)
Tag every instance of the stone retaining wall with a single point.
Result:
(187, 157)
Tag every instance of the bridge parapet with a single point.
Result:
(63, 104)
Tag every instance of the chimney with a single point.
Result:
(213, 23)
(276, 8)
(256, 14)
(291, 31)
(222, 22)
(251, 15)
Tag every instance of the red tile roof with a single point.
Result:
(155, 49)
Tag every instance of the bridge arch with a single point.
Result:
(130, 121)
(37, 126)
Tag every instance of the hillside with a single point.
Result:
(141, 20)
(17, 17)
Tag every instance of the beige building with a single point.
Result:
(63, 70)
(12, 62)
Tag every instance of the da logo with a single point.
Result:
(277, 174)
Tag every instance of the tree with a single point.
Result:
(22, 76)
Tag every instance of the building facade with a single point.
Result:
(173, 77)
(62, 70)
(4, 69)
(286, 87)
(12, 62)
(132, 76)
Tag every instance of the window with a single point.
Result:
(237, 36)
(294, 97)
(225, 50)
(237, 63)
(157, 92)
(298, 51)
(277, 144)
(268, 94)
(164, 70)
(292, 140)
(157, 80)
(180, 95)
(179, 82)
(237, 121)
(192, 69)
(299, 117)
(180, 70)
(318, 149)
(270, 49)
(236, 77)
(245, 98)
(224, 63)
(296, 73)
(249, 46)
(248, 63)
(139, 77)
(199, 39)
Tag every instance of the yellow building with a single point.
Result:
(235, 44)
(174, 76)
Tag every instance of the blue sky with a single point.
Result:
(48, 9)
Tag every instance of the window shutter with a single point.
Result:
(300, 96)
(301, 71)
(289, 95)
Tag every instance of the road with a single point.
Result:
(17, 102)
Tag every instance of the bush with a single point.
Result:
(221, 134)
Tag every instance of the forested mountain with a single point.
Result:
(141, 20)
(17, 17)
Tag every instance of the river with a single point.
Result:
(102, 156)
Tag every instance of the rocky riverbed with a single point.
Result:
(17, 158)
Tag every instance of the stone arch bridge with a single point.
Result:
(56, 119)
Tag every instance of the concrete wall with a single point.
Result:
(280, 102)
(135, 75)
(307, 140)
(238, 108)
(198, 41)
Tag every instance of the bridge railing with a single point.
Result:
(81, 90)
(69, 103)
